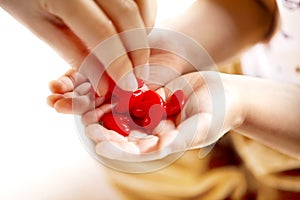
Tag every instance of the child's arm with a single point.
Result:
(226, 27)
(264, 110)
(271, 112)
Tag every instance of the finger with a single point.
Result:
(166, 140)
(114, 146)
(195, 132)
(165, 66)
(67, 82)
(147, 145)
(205, 94)
(89, 23)
(60, 38)
(94, 115)
(74, 105)
(197, 91)
(124, 151)
(166, 134)
(98, 133)
(128, 21)
(97, 74)
(166, 131)
(61, 85)
(199, 101)
(92, 68)
(130, 149)
(52, 99)
(148, 9)
(83, 89)
(93, 27)
(127, 151)
(160, 75)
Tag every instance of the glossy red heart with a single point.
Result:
(117, 122)
(140, 110)
(175, 103)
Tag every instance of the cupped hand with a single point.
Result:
(212, 108)
(74, 28)
(164, 67)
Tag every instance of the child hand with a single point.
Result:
(212, 108)
(210, 111)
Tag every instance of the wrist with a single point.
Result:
(236, 100)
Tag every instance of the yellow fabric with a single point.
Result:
(236, 168)
(188, 178)
(268, 165)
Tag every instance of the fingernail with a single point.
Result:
(100, 92)
(142, 72)
(128, 82)
(102, 89)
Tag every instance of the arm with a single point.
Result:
(270, 112)
(225, 27)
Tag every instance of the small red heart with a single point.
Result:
(176, 103)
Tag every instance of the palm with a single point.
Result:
(190, 129)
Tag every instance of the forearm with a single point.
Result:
(224, 27)
(271, 113)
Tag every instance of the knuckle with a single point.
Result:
(106, 26)
(54, 6)
(105, 29)
(129, 7)
(48, 5)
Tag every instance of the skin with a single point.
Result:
(232, 26)
(243, 28)
(73, 49)
(248, 111)
(245, 112)
(271, 113)
(74, 36)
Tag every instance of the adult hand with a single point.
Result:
(74, 28)
(71, 96)
(72, 93)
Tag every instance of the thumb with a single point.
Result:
(164, 67)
